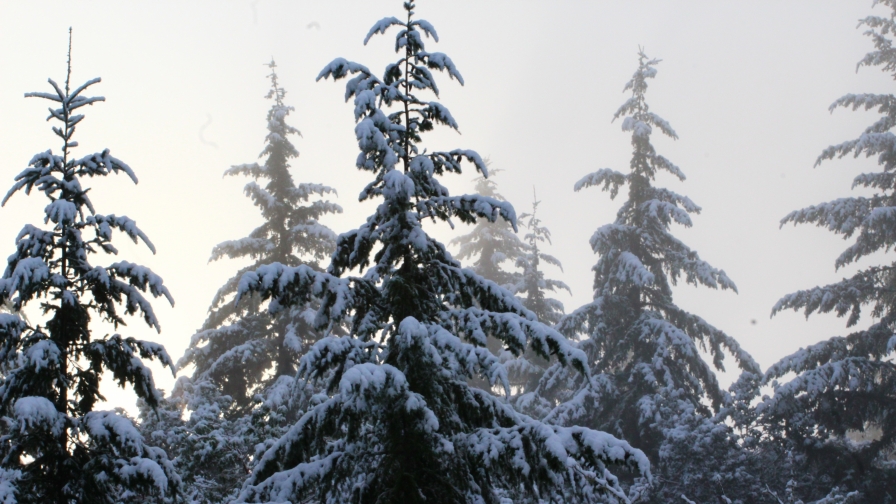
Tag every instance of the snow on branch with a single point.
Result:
(251, 247)
(38, 172)
(427, 28)
(340, 67)
(102, 163)
(517, 334)
(135, 462)
(28, 275)
(884, 102)
(874, 342)
(333, 352)
(611, 180)
(662, 124)
(288, 286)
(141, 277)
(846, 296)
(869, 143)
(382, 25)
(105, 223)
(253, 170)
(441, 62)
(124, 358)
(38, 413)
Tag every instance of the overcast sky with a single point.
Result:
(746, 85)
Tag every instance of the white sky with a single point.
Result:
(746, 85)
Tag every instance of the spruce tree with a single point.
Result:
(240, 395)
(847, 384)
(532, 288)
(212, 452)
(55, 445)
(400, 423)
(492, 244)
(648, 377)
(488, 249)
(240, 348)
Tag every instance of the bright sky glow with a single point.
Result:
(746, 85)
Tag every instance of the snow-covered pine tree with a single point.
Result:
(525, 371)
(211, 451)
(533, 286)
(240, 348)
(245, 359)
(488, 249)
(491, 244)
(400, 422)
(848, 383)
(644, 351)
(54, 444)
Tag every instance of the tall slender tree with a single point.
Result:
(54, 444)
(644, 351)
(241, 394)
(401, 422)
(848, 383)
(533, 286)
(489, 249)
(525, 371)
(240, 348)
(491, 245)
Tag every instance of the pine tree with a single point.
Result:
(492, 244)
(533, 284)
(400, 423)
(54, 444)
(525, 371)
(848, 383)
(240, 348)
(644, 351)
(488, 248)
(212, 453)
(245, 360)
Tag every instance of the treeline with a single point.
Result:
(372, 366)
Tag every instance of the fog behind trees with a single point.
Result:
(747, 87)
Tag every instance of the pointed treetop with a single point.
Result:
(68, 73)
(485, 184)
(276, 92)
(69, 101)
(638, 118)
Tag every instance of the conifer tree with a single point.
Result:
(55, 445)
(848, 383)
(239, 396)
(240, 348)
(644, 351)
(400, 423)
(488, 249)
(212, 452)
(532, 287)
(492, 244)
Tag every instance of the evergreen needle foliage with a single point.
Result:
(55, 447)
(241, 348)
(400, 422)
(533, 285)
(487, 249)
(245, 360)
(847, 384)
(526, 370)
(492, 244)
(648, 376)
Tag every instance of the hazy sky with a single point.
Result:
(746, 85)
